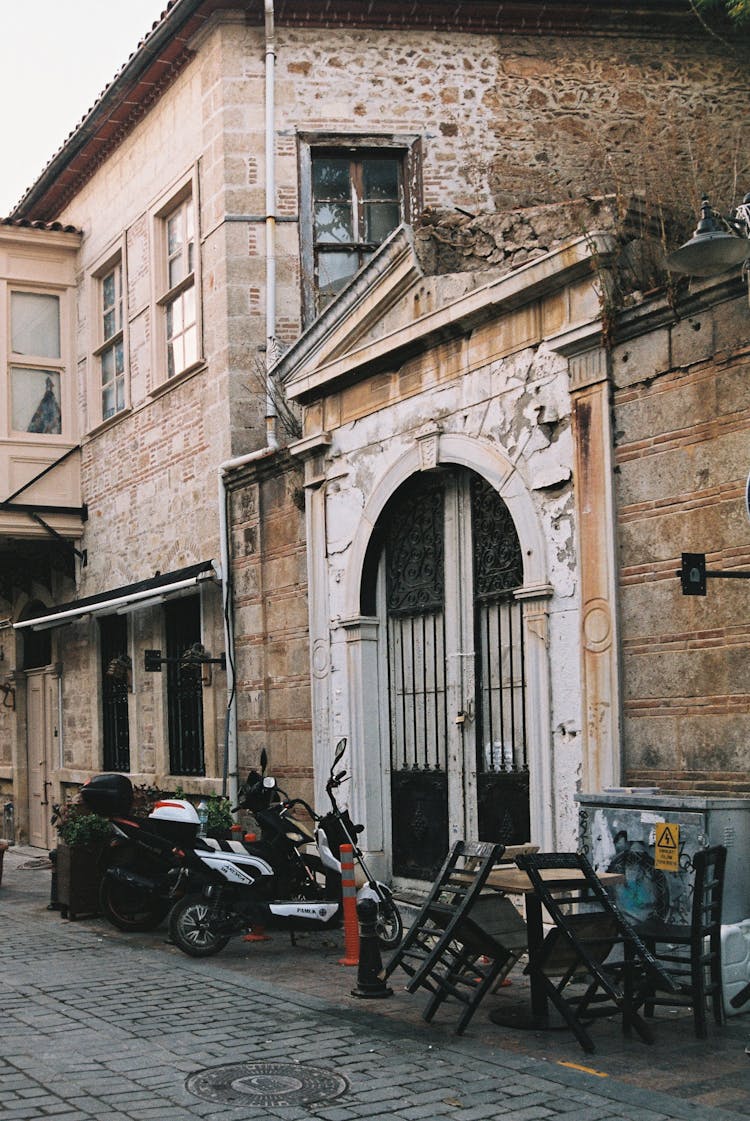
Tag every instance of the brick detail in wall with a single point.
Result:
(724, 783)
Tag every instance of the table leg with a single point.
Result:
(535, 1016)
(535, 930)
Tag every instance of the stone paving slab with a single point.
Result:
(97, 1024)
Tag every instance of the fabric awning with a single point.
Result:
(131, 596)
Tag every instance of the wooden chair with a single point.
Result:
(592, 962)
(691, 954)
(451, 949)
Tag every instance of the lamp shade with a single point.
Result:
(713, 249)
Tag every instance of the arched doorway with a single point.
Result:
(441, 571)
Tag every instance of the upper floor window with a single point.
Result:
(354, 193)
(111, 354)
(35, 363)
(178, 300)
(357, 203)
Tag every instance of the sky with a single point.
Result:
(56, 57)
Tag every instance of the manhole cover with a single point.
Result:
(266, 1084)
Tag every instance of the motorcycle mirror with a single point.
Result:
(263, 759)
(340, 749)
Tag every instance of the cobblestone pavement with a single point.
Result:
(98, 1024)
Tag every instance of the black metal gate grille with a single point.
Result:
(502, 763)
(184, 689)
(416, 672)
(113, 634)
(414, 534)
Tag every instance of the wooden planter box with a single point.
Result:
(78, 876)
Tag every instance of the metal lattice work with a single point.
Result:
(456, 669)
(184, 689)
(113, 632)
(502, 763)
(416, 671)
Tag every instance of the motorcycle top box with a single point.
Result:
(108, 795)
(176, 820)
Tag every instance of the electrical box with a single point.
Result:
(651, 839)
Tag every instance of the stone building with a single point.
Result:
(216, 205)
(502, 473)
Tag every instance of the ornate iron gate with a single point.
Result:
(502, 763)
(418, 647)
(416, 672)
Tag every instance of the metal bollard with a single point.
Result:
(370, 979)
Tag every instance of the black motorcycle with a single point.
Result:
(141, 875)
(276, 883)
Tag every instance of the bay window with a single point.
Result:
(35, 364)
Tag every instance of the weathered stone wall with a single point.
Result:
(272, 647)
(517, 121)
(681, 413)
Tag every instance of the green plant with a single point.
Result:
(737, 10)
(77, 827)
(219, 809)
(219, 813)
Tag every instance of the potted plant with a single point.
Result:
(81, 839)
(215, 812)
(219, 821)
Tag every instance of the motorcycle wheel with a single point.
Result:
(127, 908)
(389, 924)
(192, 928)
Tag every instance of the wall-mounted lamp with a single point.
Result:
(119, 669)
(718, 243)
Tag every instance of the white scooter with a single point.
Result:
(276, 883)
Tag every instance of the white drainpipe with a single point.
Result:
(231, 783)
(271, 354)
(232, 755)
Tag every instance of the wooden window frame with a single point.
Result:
(41, 363)
(115, 259)
(406, 148)
(168, 295)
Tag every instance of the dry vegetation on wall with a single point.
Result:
(585, 117)
(456, 242)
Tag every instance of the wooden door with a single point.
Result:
(42, 740)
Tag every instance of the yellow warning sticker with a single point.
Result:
(667, 853)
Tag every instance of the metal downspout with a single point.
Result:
(270, 154)
(231, 752)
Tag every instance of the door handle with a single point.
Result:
(45, 800)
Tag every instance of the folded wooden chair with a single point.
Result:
(592, 962)
(450, 950)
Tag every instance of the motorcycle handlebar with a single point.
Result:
(290, 802)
